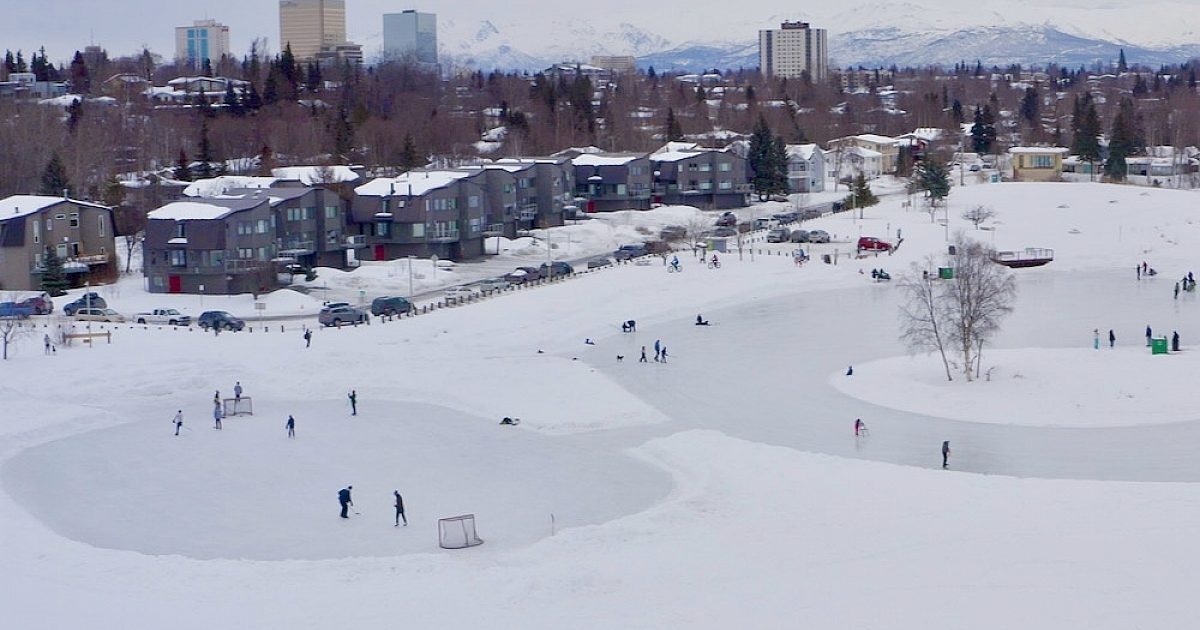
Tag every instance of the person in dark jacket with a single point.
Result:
(1112, 339)
(291, 427)
(1175, 341)
(1148, 335)
(217, 417)
(307, 337)
(400, 509)
(643, 359)
(657, 349)
(353, 396)
(344, 499)
(945, 454)
(850, 371)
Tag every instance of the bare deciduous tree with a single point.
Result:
(962, 314)
(10, 328)
(978, 215)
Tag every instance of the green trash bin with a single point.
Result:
(1158, 345)
(946, 273)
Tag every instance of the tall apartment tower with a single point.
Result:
(412, 34)
(311, 25)
(204, 39)
(791, 50)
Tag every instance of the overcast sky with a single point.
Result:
(124, 26)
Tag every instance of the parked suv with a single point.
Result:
(390, 305)
(87, 300)
(799, 236)
(522, 275)
(629, 252)
(778, 235)
(342, 315)
(727, 219)
(218, 320)
(556, 268)
(818, 236)
(811, 213)
(41, 304)
(870, 243)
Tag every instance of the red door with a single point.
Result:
(174, 284)
(380, 252)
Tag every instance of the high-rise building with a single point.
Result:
(203, 40)
(793, 49)
(310, 26)
(410, 35)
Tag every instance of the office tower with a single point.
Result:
(791, 50)
(204, 39)
(309, 26)
(410, 35)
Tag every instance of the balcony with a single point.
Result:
(295, 249)
(494, 229)
(355, 242)
(446, 236)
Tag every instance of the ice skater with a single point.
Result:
(237, 391)
(400, 509)
(643, 359)
(1148, 335)
(344, 499)
(1095, 338)
(1175, 341)
(307, 337)
(217, 417)
(1176, 290)
(657, 350)
(850, 371)
(1139, 271)
(859, 427)
(353, 396)
(1112, 339)
(291, 427)
(178, 421)
(46, 341)
(664, 354)
(946, 454)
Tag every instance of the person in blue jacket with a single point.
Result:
(344, 499)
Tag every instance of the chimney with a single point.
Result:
(65, 196)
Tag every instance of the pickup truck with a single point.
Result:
(15, 310)
(168, 316)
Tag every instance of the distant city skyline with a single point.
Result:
(134, 23)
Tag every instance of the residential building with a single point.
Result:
(211, 246)
(793, 50)
(849, 163)
(410, 35)
(78, 232)
(615, 64)
(421, 213)
(712, 179)
(309, 26)
(1037, 164)
(204, 40)
(806, 168)
(887, 148)
(553, 189)
(612, 181)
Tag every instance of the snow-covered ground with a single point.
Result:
(723, 487)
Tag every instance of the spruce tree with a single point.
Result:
(233, 104)
(759, 158)
(205, 156)
(934, 179)
(860, 194)
(54, 177)
(1030, 106)
(81, 82)
(956, 113)
(183, 167)
(408, 155)
(54, 279)
(673, 132)
(1121, 65)
(1086, 126)
(1122, 143)
(983, 132)
(778, 166)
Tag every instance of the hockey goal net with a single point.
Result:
(458, 532)
(237, 407)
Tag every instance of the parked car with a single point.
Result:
(818, 236)
(672, 233)
(778, 235)
(98, 315)
(785, 217)
(727, 219)
(629, 252)
(41, 304)
(838, 206)
(332, 305)
(523, 274)
(596, 263)
(342, 315)
(168, 316)
(219, 320)
(724, 232)
(390, 305)
(460, 293)
(762, 223)
(15, 310)
(870, 243)
(556, 268)
(811, 213)
(87, 300)
(799, 236)
(493, 284)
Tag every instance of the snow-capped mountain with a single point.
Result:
(917, 32)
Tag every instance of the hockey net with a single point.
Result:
(237, 407)
(458, 532)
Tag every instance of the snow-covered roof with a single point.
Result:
(607, 159)
(802, 151)
(208, 210)
(578, 150)
(864, 153)
(314, 175)
(22, 205)
(675, 147)
(1038, 150)
(876, 138)
(217, 186)
(412, 183)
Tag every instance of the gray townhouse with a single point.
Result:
(711, 179)
(422, 213)
(78, 232)
(212, 246)
(612, 181)
(554, 189)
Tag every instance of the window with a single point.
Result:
(725, 167)
(476, 225)
(158, 282)
(179, 230)
(705, 185)
(74, 219)
(331, 237)
(102, 223)
(263, 226)
(383, 228)
(75, 249)
(705, 167)
(418, 230)
(725, 185)
(178, 257)
(245, 253)
(264, 253)
(473, 201)
(60, 250)
(331, 212)
(49, 224)
(310, 213)
(621, 190)
(245, 227)
(37, 232)
(216, 258)
(1043, 161)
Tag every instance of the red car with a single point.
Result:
(870, 243)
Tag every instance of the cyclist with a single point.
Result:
(716, 264)
(675, 263)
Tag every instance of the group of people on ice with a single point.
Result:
(347, 502)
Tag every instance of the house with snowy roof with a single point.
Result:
(688, 174)
(887, 147)
(79, 233)
(612, 181)
(422, 213)
(806, 168)
(1037, 164)
(221, 246)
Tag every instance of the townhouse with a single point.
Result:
(215, 246)
(78, 233)
(712, 179)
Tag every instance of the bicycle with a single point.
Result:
(714, 264)
(674, 268)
